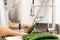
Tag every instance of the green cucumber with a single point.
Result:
(39, 36)
(30, 30)
(43, 35)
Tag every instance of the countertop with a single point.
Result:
(14, 38)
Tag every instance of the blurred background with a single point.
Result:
(47, 13)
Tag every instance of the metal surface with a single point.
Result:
(32, 9)
(52, 29)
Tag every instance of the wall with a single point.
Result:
(58, 11)
(3, 14)
(26, 9)
(48, 18)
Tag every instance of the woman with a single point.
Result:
(24, 23)
(4, 30)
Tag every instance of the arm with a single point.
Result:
(14, 25)
(7, 31)
(26, 26)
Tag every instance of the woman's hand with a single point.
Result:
(26, 26)
(9, 32)
(16, 33)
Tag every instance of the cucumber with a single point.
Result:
(43, 35)
(40, 36)
(30, 30)
(49, 39)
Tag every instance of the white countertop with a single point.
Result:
(14, 38)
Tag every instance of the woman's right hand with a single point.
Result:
(26, 26)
